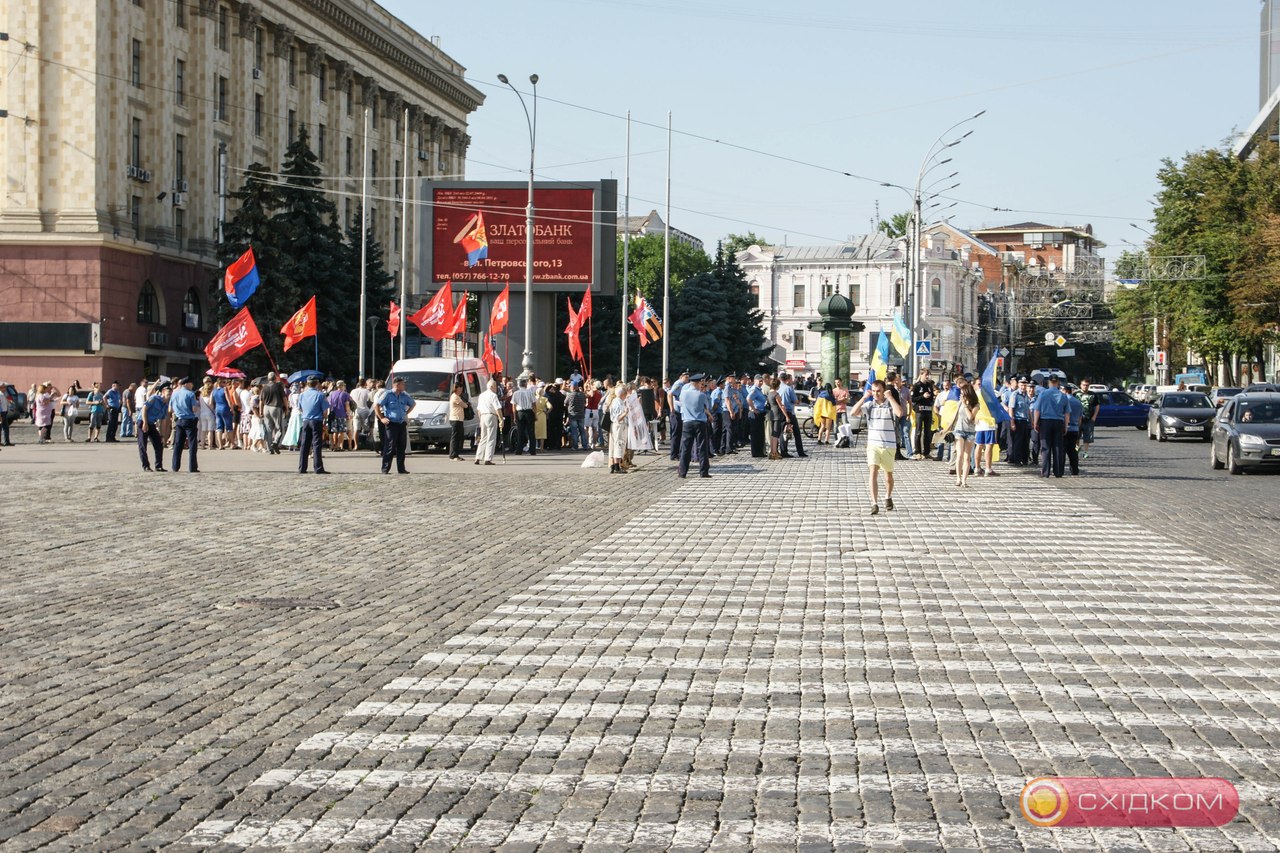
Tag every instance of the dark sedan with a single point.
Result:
(1181, 414)
(1116, 408)
(1247, 433)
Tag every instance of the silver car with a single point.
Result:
(1246, 433)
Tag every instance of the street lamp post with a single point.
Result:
(373, 350)
(526, 361)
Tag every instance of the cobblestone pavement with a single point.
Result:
(745, 662)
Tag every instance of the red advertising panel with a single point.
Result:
(476, 235)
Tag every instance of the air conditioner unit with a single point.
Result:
(137, 173)
(191, 321)
(1037, 245)
(157, 338)
(179, 199)
(423, 155)
(179, 186)
(257, 74)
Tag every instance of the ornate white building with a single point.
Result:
(790, 281)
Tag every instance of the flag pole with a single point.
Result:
(364, 237)
(404, 232)
(626, 246)
(666, 264)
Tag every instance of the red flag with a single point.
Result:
(301, 325)
(491, 359)
(584, 312)
(459, 323)
(393, 322)
(637, 318)
(233, 340)
(571, 330)
(500, 312)
(435, 319)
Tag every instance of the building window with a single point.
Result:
(351, 159)
(180, 15)
(320, 142)
(135, 143)
(179, 157)
(350, 95)
(797, 340)
(180, 82)
(222, 99)
(259, 47)
(149, 304)
(324, 82)
(257, 113)
(797, 296)
(395, 234)
(180, 226)
(935, 294)
(191, 313)
(373, 220)
(135, 64)
(826, 288)
(373, 108)
(897, 293)
(755, 294)
(293, 65)
(135, 216)
(292, 126)
(223, 15)
(396, 174)
(373, 162)
(855, 293)
(346, 213)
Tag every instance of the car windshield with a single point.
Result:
(1257, 413)
(1186, 401)
(1228, 392)
(430, 385)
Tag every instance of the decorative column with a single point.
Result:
(835, 325)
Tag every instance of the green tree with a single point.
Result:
(735, 243)
(895, 226)
(379, 286)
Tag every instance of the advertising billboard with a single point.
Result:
(473, 234)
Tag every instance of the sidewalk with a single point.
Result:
(755, 662)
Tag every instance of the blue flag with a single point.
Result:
(987, 390)
(880, 358)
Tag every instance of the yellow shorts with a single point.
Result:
(882, 457)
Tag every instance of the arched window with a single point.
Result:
(935, 293)
(192, 316)
(149, 308)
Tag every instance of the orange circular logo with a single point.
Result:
(1044, 801)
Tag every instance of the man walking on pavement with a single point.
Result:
(271, 398)
(694, 406)
(313, 406)
(524, 400)
(676, 427)
(882, 413)
(185, 422)
(392, 411)
(489, 408)
(1049, 412)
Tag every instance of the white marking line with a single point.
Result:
(559, 710)
(709, 682)
(583, 746)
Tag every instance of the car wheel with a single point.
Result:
(1213, 457)
(1233, 467)
(1160, 435)
(1151, 436)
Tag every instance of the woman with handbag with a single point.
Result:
(457, 417)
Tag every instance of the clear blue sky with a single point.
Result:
(1083, 100)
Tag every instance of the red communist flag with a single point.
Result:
(435, 319)
(393, 322)
(500, 312)
(571, 330)
(491, 359)
(584, 311)
(459, 326)
(233, 340)
(301, 325)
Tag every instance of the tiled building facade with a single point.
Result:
(128, 119)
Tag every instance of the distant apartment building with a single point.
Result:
(127, 122)
(651, 223)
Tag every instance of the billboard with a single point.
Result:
(473, 234)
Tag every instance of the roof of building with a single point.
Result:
(867, 246)
(968, 235)
(1023, 227)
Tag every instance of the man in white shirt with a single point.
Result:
(882, 412)
(362, 396)
(524, 400)
(489, 407)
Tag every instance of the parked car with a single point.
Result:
(1265, 387)
(17, 402)
(1118, 409)
(1180, 414)
(1097, 387)
(1246, 433)
(1145, 393)
(1218, 396)
(430, 382)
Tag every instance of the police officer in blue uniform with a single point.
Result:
(675, 427)
(1049, 411)
(757, 403)
(149, 417)
(186, 424)
(313, 405)
(393, 413)
(695, 408)
(1019, 408)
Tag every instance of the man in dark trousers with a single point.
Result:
(185, 425)
(524, 400)
(1049, 411)
(923, 395)
(756, 405)
(787, 394)
(392, 411)
(695, 407)
(313, 405)
(676, 427)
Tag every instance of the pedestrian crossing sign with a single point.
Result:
(924, 347)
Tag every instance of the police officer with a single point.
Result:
(392, 412)
(676, 418)
(1049, 413)
(113, 400)
(313, 405)
(694, 409)
(150, 414)
(1019, 408)
(756, 406)
(185, 425)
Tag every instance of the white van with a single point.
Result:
(429, 381)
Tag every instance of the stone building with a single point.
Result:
(790, 281)
(652, 223)
(128, 120)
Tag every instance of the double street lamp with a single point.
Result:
(526, 361)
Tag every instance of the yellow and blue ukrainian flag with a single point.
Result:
(880, 358)
(901, 337)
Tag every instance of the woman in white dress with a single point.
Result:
(208, 441)
(293, 431)
(618, 415)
